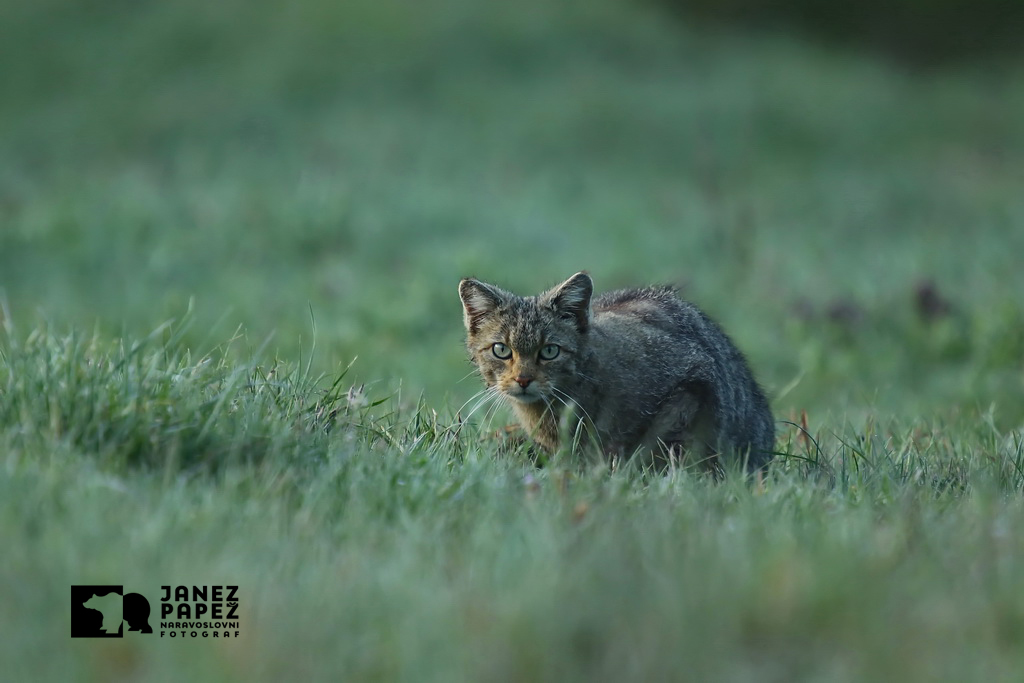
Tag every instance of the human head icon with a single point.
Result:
(136, 612)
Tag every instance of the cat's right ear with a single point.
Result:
(478, 300)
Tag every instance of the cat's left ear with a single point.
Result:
(572, 299)
(478, 300)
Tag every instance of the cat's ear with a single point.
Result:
(478, 300)
(572, 299)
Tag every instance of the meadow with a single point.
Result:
(231, 348)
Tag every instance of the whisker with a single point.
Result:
(548, 406)
(467, 375)
(478, 397)
(472, 398)
(558, 398)
(492, 412)
(565, 399)
(549, 409)
(489, 395)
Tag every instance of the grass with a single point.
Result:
(404, 547)
(318, 176)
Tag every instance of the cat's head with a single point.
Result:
(527, 347)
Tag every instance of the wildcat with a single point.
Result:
(640, 370)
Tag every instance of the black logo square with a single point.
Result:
(97, 611)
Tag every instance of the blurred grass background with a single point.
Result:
(355, 159)
(919, 33)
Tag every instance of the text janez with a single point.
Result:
(202, 611)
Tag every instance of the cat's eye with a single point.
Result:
(501, 351)
(550, 352)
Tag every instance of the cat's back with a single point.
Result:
(659, 341)
(647, 311)
(652, 324)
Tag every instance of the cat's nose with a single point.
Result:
(523, 381)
